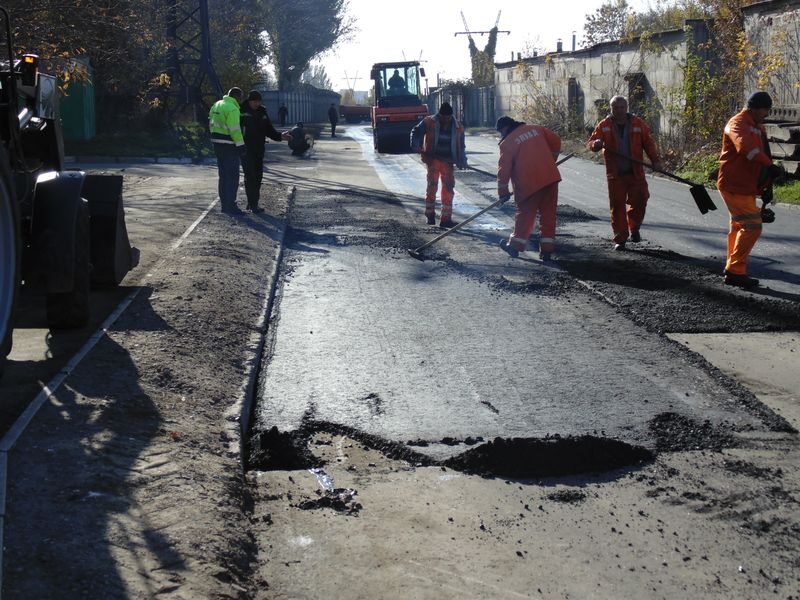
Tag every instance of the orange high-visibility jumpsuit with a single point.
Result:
(743, 154)
(441, 167)
(631, 188)
(527, 159)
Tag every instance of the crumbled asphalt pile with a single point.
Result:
(525, 458)
(339, 499)
(666, 292)
(675, 433)
(744, 467)
(274, 450)
(567, 496)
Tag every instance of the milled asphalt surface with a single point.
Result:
(376, 296)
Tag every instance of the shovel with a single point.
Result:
(417, 253)
(698, 191)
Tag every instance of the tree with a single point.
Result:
(612, 21)
(317, 77)
(300, 30)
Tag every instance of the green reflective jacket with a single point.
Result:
(223, 121)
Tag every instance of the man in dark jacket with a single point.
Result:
(299, 142)
(256, 128)
(333, 117)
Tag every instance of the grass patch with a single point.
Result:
(788, 193)
(701, 168)
(191, 140)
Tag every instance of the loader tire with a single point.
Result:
(10, 251)
(70, 310)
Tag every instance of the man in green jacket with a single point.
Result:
(226, 135)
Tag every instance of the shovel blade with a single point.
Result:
(702, 199)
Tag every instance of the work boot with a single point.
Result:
(431, 219)
(619, 247)
(446, 223)
(545, 256)
(742, 281)
(509, 249)
(233, 211)
(635, 236)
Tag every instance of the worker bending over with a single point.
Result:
(528, 156)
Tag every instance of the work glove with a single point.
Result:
(775, 172)
(242, 151)
(767, 195)
(504, 198)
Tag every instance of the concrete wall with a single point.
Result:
(646, 71)
(773, 30)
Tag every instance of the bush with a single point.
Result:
(187, 140)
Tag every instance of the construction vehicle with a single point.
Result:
(355, 113)
(398, 104)
(60, 231)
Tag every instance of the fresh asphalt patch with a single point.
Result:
(659, 290)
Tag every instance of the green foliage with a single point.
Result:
(701, 167)
(612, 21)
(300, 30)
(788, 192)
(191, 140)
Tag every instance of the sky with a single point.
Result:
(423, 29)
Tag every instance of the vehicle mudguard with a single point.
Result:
(56, 201)
(112, 254)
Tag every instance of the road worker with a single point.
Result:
(298, 141)
(621, 135)
(256, 128)
(741, 162)
(440, 140)
(226, 136)
(528, 156)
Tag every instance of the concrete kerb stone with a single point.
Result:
(165, 160)
(238, 415)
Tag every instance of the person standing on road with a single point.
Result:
(283, 114)
(226, 136)
(622, 135)
(440, 140)
(741, 162)
(333, 117)
(528, 155)
(256, 128)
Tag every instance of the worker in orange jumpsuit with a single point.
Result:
(623, 134)
(440, 140)
(528, 156)
(741, 162)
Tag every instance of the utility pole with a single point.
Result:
(189, 66)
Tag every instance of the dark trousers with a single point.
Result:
(333, 128)
(253, 167)
(228, 167)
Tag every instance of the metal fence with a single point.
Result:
(309, 105)
(472, 106)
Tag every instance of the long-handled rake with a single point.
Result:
(417, 252)
(698, 190)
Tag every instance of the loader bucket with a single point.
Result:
(112, 255)
(702, 199)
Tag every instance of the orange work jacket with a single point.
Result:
(640, 140)
(430, 126)
(526, 159)
(742, 155)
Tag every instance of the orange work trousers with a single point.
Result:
(745, 230)
(544, 202)
(626, 190)
(440, 169)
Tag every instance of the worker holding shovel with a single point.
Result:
(621, 136)
(528, 156)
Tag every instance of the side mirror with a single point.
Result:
(373, 74)
(422, 71)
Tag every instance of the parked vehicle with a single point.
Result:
(60, 231)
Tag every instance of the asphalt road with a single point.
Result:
(371, 339)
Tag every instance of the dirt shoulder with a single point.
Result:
(128, 483)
